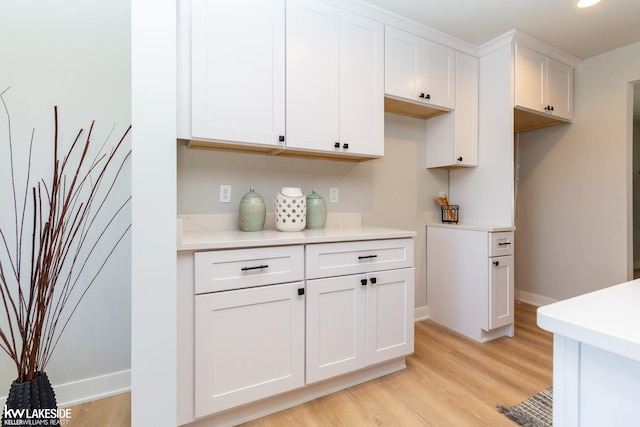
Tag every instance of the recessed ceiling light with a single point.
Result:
(581, 4)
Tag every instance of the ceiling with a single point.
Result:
(582, 33)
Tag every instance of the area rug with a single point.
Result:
(537, 411)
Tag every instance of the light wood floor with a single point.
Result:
(450, 380)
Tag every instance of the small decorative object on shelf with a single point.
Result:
(253, 211)
(316, 211)
(291, 209)
(449, 214)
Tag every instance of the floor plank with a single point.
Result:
(450, 380)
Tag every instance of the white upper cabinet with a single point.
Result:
(335, 94)
(543, 84)
(560, 88)
(452, 139)
(237, 71)
(418, 70)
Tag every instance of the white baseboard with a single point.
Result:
(88, 389)
(421, 313)
(533, 299)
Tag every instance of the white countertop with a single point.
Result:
(203, 233)
(473, 227)
(608, 319)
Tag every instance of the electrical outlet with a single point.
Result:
(334, 195)
(225, 194)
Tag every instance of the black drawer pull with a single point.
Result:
(300, 291)
(373, 280)
(257, 267)
(363, 282)
(367, 256)
(496, 263)
(504, 243)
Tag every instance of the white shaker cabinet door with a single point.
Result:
(403, 64)
(361, 85)
(390, 296)
(560, 88)
(238, 71)
(335, 76)
(249, 344)
(530, 79)
(438, 75)
(501, 291)
(335, 326)
(313, 75)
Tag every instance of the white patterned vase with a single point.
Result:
(291, 209)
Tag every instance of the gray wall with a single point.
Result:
(76, 55)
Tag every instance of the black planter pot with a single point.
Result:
(28, 401)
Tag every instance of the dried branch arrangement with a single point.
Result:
(66, 213)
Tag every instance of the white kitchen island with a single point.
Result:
(596, 357)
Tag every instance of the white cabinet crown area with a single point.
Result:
(278, 321)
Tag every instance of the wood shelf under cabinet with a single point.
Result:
(270, 151)
(526, 120)
(405, 108)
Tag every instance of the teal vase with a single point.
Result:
(316, 211)
(253, 211)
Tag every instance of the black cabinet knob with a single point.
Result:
(363, 282)
(373, 280)
(421, 95)
(428, 96)
(336, 145)
(496, 263)
(345, 146)
(300, 291)
(281, 138)
(460, 158)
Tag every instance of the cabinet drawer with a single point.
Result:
(501, 243)
(244, 268)
(337, 259)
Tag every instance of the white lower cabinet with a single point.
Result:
(470, 281)
(249, 344)
(358, 320)
(271, 320)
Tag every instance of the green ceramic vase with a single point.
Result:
(253, 211)
(316, 211)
